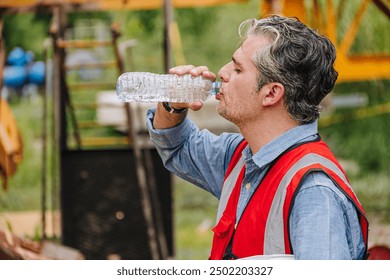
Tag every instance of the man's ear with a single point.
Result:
(274, 94)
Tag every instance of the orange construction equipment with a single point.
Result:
(11, 147)
(326, 17)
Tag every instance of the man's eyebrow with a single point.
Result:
(235, 61)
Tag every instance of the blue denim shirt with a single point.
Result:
(323, 222)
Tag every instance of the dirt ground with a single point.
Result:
(379, 233)
(29, 223)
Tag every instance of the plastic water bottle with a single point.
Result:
(149, 87)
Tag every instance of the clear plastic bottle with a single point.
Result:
(149, 87)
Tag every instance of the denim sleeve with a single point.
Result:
(324, 223)
(199, 157)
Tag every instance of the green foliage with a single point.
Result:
(24, 187)
(198, 20)
(74, 19)
(374, 193)
(138, 24)
(366, 140)
(148, 20)
(372, 37)
(27, 31)
(209, 35)
(195, 216)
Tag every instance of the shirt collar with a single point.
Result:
(272, 150)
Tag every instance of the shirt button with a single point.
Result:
(248, 186)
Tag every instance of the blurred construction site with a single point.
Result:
(103, 192)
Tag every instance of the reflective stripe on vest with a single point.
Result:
(233, 171)
(228, 187)
(274, 231)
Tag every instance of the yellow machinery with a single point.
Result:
(326, 18)
(326, 15)
(11, 147)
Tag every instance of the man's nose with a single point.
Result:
(223, 73)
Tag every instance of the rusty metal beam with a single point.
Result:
(385, 8)
(80, 44)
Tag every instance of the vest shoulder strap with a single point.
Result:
(235, 166)
(237, 155)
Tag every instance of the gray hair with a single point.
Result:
(297, 57)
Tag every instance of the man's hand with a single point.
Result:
(163, 119)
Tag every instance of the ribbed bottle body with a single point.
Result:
(150, 87)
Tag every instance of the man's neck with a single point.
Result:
(264, 131)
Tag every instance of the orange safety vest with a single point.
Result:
(264, 226)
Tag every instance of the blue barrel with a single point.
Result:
(36, 73)
(28, 57)
(14, 76)
(17, 57)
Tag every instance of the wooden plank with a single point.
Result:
(83, 44)
(104, 141)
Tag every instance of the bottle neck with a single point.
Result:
(215, 87)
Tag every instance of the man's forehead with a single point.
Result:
(255, 41)
(251, 45)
